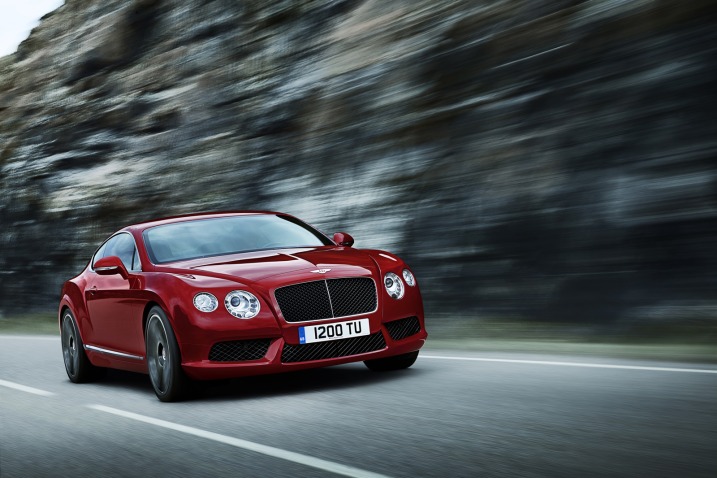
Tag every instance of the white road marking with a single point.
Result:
(25, 388)
(32, 337)
(313, 462)
(574, 364)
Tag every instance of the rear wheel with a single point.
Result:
(163, 359)
(77, 365)
(397, 362)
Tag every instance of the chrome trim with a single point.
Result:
(331, 302)
(278, 307)
(112, 352)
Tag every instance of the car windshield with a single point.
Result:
(227, 235)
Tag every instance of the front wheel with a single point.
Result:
(77, 365)
(397, 362)
(163, 359)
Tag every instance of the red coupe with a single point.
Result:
(223, 295)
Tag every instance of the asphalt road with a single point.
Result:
(452, 414)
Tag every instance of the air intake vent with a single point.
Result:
(326, 299)
(400, 329)
(333, 349)
(239, 350)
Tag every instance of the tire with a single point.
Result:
(397, 362)
(164, 361)
(78, 367)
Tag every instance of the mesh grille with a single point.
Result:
(352, 296)
(304, 302)
(314, 300)
(400, 329)
(239, 350)
(333, 349)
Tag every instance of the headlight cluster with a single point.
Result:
(408, 277)
(205, 302)
(239, 303)
(394, 284)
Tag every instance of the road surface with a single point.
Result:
(454, 414)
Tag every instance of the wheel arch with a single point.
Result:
(157, 302)
(63, 307)
(145, 315)
(67, 303)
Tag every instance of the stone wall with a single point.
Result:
(543, 159)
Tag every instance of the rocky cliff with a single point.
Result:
(543, 159)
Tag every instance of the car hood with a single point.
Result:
(290, 265)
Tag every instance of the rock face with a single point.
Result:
(540, 159)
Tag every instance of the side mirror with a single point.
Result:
(110, 265)
(343, 239)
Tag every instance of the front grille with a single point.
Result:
(400, 329)
(333, 349)
(239, 350)
(352, 296)
(304, 302)
(326, 299)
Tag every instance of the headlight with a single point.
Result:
(242, 304)
(393, 285)
(205, 302)
(408, 277)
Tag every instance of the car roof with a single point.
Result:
(141, 226)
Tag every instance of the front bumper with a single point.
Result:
(392, 337)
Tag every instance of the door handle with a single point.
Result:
(93, 289)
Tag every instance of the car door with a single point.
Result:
(114, 302)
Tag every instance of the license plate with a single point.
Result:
(336, 331)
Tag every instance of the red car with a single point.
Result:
(222, 295)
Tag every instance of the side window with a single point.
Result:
(101, 252)
(122, 246)
(124, 249)
(136, 264)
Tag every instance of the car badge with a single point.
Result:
(321, 271)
